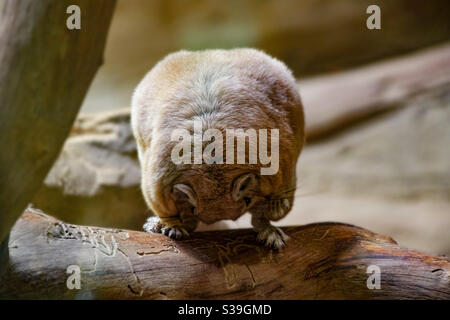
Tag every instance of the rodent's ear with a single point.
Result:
(243, 185)
(184, 191)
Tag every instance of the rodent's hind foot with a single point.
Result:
(169, 227)
(272, 237)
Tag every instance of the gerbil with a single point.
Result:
(221, 89)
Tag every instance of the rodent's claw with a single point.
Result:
(175, 232)
(272, 237)
(155, 225)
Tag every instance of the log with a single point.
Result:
(46, 70)
(321, 261)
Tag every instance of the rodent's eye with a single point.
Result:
(247, 201)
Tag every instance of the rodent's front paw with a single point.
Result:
(152, 225)
(172, 230)
(272, 237)
(278, 208)
(175, 232)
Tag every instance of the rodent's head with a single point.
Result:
(216, 196)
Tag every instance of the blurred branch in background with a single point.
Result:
(310, 36)
(334, 102)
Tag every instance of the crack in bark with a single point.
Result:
(170, 248)
(136, 278)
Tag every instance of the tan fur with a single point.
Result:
(225, 89)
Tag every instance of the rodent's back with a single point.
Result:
(239, 88)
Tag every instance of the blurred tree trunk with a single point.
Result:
(45, 72)
(320, 261)
(4, 255)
